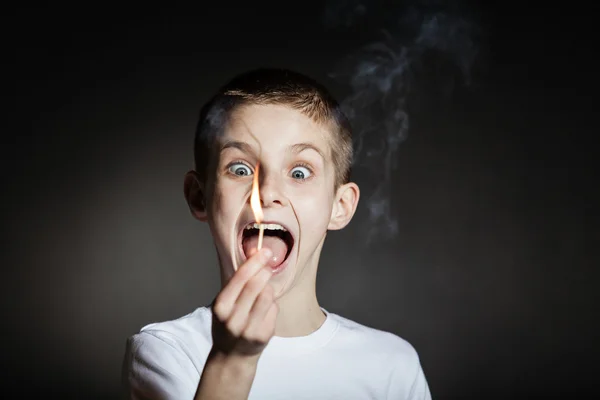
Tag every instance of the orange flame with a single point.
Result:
(256, 208)
(255, 198)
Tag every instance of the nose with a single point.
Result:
(271, 194)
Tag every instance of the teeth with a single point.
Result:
(266, 226)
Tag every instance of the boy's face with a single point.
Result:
(296, 181)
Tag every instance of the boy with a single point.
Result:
(265, 335)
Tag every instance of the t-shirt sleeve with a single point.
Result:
(420, 388)
(408, 380)
(155, 368)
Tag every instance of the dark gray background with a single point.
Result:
(492, 276)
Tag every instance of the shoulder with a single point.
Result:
(375, 340)
(168, 357)
(395, 357)
(187, 338)
(194, 325)
(190, 334)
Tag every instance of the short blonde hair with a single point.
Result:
(281, 87)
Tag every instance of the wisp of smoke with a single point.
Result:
(382, 76)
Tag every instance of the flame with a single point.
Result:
(255, 198)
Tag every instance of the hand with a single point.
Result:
(244, 312)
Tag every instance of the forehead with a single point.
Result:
(275, 127)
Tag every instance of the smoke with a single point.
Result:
(418, 44)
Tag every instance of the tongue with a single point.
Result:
(274, 243)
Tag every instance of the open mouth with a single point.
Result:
(275, 236)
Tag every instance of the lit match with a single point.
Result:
(256, 208)
(260, 235)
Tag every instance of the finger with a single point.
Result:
(258, 312)
(227, 298)
(239, 317)
(247, 270)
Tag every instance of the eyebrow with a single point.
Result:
(242, 146)
(300, 147)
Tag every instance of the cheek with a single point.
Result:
(228, 201)
(218, 206)
(223, 191)
(314, 212)
(225, 208)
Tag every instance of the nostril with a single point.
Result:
(268, 202)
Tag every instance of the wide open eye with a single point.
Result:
(240, 169)
(300, 173)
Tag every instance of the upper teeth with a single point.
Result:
(265, 226)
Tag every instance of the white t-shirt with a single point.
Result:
(340, 360)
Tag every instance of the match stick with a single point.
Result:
(260, 235)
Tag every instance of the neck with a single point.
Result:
(299, 314)
(299, 311)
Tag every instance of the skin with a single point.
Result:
(297, 190)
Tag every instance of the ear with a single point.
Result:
(344, 206)
(193, 190)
